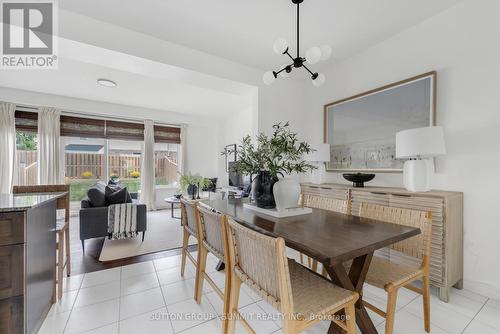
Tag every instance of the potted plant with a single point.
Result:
(269, 157)
(191, 183)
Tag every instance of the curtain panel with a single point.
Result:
(50, 159)
(7, 146)
(181, 165)
(148, 167)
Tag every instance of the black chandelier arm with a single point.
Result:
(285, 69)
(308, 70)
(289, 55)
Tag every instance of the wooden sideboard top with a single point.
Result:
(385, 190)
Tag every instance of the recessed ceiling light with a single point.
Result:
(106, 83)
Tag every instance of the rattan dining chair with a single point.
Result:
(391, 275)
(189, 221)
(325, 203)
(302, 296)
(212, 239)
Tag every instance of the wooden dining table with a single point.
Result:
(331, 238)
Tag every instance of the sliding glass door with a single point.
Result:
(84, 164)
(124, 163)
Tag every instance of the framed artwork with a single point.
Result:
(361, 129)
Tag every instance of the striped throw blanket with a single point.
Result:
(122, 221)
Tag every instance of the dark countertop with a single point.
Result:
(21, 202)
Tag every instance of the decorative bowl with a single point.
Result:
(358, 179)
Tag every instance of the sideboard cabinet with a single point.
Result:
(446, 266)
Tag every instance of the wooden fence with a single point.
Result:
(91, 166)
(27, 171)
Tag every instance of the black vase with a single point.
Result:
(192, 188)
(262, 188)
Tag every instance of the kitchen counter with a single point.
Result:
(22, 202)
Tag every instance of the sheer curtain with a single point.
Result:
(148, 166)
(50, 158)
(7, 146)
(181, 163)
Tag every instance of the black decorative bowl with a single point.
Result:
(358, 179)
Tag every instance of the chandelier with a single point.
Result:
(313, 55)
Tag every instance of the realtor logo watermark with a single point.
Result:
(28, 34)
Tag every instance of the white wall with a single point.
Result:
(270, 104)
(200, 130)
(462, 45)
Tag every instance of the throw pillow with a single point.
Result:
(117, 196)
(96, 195)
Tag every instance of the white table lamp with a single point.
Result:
(420, 146)
(319, 156)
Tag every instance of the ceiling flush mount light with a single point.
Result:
(106, 83)
(313, 56)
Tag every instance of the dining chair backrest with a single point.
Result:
(417, 246)
(325, 203)
(63, 203)
(189, 215)
(212, 227)
(260, 261)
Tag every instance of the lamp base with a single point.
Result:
(417, 175)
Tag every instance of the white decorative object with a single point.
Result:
(280, 45)
(319, 156)
(319, 81)
(313, 55)
(420, 145)
(286, 193)
(298, 211)
(326, 52)
(268, 78)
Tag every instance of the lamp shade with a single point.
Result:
(322, 153)
(420, 143)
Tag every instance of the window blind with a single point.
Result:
(72, 126)
(26, 121)
(82, 127)
(124, 130)
(167, 134)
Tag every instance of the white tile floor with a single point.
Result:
(139, 299)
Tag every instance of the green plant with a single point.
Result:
(281, 153)
(87, 175)
(26, 141)
(188, 179)
(135, 174)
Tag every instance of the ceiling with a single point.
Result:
(141, 82)
(244, 31)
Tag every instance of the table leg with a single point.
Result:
(353, 281)
(172, 210)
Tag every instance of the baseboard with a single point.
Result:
(483, 288)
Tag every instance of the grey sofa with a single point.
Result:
(94, 220)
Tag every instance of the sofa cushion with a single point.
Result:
(117, 195)
(97, 195)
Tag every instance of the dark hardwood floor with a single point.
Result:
(88, 262)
